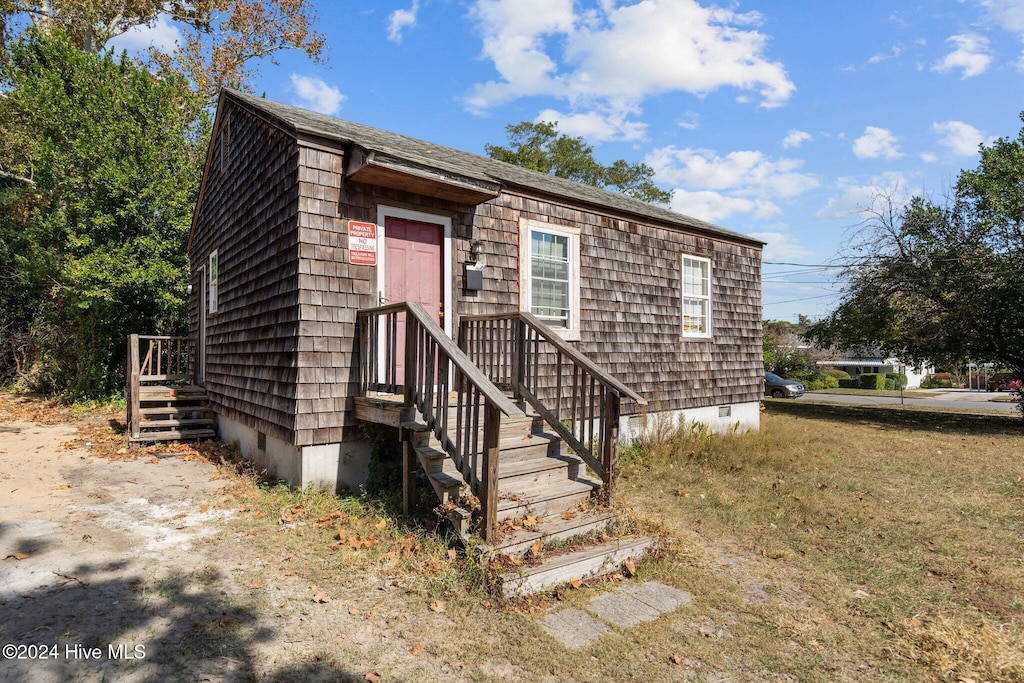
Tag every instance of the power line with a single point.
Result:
(806, 298)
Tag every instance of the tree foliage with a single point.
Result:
(102, 161)
(942, 282)
(220, 38)
(783, 349)
(540, 147)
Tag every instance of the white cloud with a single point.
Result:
(616, 56)
(929, 158)
(596, 126)
(162, 35)
(714, 206)
(313, 93)
(401, 19)
(795, 138)
(690, 121)
(855, 198)
(1007, 13)
(896, 51)
(743, 173)
(971, 55)
(781, 246)
(960, 138)
(875, 143)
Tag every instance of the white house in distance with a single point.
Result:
(858, 366)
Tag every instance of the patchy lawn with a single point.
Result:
(837, 543)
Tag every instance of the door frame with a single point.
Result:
(384, 212)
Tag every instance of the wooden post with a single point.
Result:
(408, 470)
(610, 442)
(133, 387)
(489, 489)
(518, 359)
(410, 358)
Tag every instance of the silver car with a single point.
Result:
(777, 387)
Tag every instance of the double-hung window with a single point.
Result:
(696, 297)
(549, 278)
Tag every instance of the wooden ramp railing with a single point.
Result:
(434, 369)
(578, 400)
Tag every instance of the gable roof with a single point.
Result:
(471, 167)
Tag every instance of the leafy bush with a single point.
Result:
(813, 380)
(838, 374)
(872, 380)
(937, 380)
(899, 380)
(849, 384)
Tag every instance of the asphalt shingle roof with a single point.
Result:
(472, 166)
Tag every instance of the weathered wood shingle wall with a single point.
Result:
(248, 215)
(630, 295)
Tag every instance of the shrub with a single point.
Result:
(838, 374)
(933, 382)
(813, 380)
(872, 380)
(849, 383)
(899, 380)
(890, 383)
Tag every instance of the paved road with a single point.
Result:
(952, 399)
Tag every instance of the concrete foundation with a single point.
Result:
(336, 466)
(740, 417)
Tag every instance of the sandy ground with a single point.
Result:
(130, 571)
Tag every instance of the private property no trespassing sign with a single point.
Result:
(362, 243)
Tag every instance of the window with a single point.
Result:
(549, 278)
(213, 281)
(696, 296)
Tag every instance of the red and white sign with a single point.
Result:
(362, 243)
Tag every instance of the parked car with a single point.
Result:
(777, 387)
(1003, 381)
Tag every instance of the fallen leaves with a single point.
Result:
(256, 584)
(320, 597)
(16, 556)
(438, 606)
(416, 650)
(372, 677)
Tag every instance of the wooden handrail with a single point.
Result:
(584, 412)
(433, 367)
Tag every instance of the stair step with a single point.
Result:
(186, 422)
(175, 435)
(552, 530)
(174, 410)
(548, 501)
(580, 564)
(530, 474)
(447, 487)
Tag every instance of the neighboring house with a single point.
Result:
(304, 220)
(856, 366)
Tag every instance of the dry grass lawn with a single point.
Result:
(838, 543)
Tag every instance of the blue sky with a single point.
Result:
(780, 119)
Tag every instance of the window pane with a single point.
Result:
(695, 314)
(550, 272)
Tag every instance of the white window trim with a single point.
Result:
(682, 298)
(571, 333)
(214, 274)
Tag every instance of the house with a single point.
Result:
(855, 366)
(321, 247)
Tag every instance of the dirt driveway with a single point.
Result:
(129, 570)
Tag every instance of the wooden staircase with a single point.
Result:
(515, 430)
(164, 403)
(173, 413)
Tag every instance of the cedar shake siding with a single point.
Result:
(248, 212)
(282, 183)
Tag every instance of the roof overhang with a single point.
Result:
(375, 168)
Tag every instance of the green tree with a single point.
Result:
(220, 38)
(539, 146)
(942, 282)
(109, 158)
